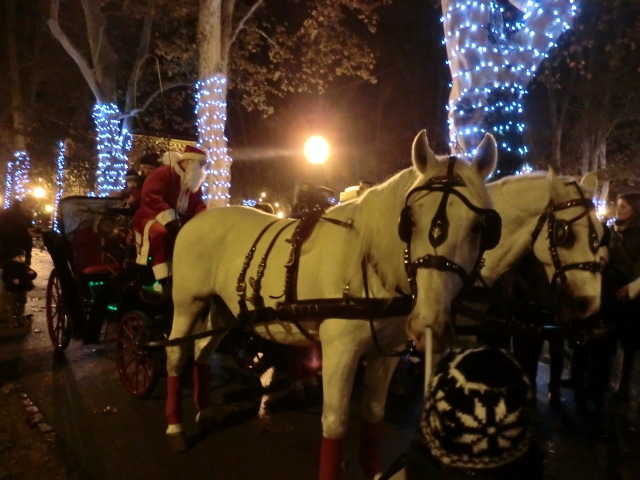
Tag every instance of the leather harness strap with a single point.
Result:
(241, 285)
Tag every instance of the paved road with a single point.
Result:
(104, 434)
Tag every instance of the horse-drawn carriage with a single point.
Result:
(95, 286)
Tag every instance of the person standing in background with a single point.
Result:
(148, 163)
(16, 228)
(621, 285)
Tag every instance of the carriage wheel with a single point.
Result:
(58, 321)
(137, 367)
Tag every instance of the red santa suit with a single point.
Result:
(163, 200)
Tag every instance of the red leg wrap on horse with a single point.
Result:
(202, 386)
(330, 459)
(173, 408)
(370, 439)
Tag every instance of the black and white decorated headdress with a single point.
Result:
(479, 411)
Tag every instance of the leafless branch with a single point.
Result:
(73, 52)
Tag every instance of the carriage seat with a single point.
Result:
(94, 256)
(101, 269)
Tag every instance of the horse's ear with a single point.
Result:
(486, 156)
(421, 152)
(590, 182)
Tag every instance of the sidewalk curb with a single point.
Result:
(34, 418)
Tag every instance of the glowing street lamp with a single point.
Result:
(39, 192)
(316, 149)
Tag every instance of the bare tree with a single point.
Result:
(592, 85)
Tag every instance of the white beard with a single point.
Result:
(193, 176)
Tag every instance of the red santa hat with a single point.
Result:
(194, 153)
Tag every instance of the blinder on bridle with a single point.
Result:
(491, 226)
(560, 234)
(439, 231)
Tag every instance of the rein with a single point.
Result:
(530, 318)
(409, 346)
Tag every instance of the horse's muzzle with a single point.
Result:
(572, 308)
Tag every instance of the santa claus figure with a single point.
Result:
(171, 195)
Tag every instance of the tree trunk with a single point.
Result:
(214, 34)
(18, 169)
(17, 100)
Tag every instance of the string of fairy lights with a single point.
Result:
(211, 113)
(60, 163)
(8, 185)
(113, 146)
(494, 49)
(17, 180)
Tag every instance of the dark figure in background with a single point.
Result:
(148, 163)
(488, 386)
(132, 192)
(622, 286)
(533, 304)
(16, 228)
(17, 279)
(364, 185)
(309, 198)
(620, 315)
(265, 207)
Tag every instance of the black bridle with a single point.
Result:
(439, 229)
(560, 235)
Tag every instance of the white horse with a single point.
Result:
(353, 256)
(554, 216)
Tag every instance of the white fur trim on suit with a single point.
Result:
(166, 216)
(160, 271)
(142, 243)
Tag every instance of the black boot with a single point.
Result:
(166, 286)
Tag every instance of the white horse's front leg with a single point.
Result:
(339, 363)
(376, 386)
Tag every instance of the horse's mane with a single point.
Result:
(513, 183)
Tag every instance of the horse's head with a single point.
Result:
(446, 223)
(568, 241)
